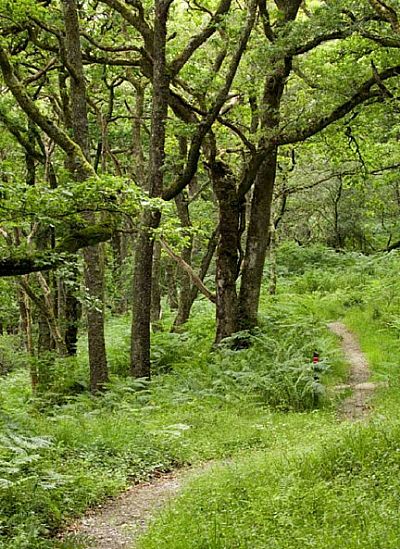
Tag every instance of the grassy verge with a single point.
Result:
(337, 488)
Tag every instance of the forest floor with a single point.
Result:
(121, 521)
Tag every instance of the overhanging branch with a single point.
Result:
(364, 93)
(46, 261)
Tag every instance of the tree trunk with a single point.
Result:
(93, 256)
(272, 260)
(140, 350)
(257, 242)
(260, 213)
(72, 314)
(227, 252)
(185, 303)
(155, 315)
(94, 277)
(137, 124)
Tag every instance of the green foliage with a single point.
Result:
(12, 356)
(293, 259)
(69, 450)
(275, 370)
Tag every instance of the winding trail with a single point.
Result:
(120, 521)
(356, 406)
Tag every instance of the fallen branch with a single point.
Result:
(193, 276)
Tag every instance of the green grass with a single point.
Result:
(335, 487)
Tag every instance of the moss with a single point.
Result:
(31, 263)
(89, 236)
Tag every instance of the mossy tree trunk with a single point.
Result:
(93, 255)
(257, 242)
(261, 203)
(227, 306)
(140, 349)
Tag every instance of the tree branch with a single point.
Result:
(196, 41)
(46, 261)
(59, 136)
(110, 49)
(189, 270)
(364, 93)
(269, 33)
(21, 135)
(318, 40)
(207, 122)
(137, 21)
(386, 13)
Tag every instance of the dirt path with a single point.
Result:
(356, 406)
(120, 521)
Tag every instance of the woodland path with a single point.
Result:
(119, 522)
(356, 406)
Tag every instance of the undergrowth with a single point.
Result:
(67, 450)
(62, 452)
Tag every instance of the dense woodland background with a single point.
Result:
(164, 164)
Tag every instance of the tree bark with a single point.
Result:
(184, 306)
(260, 213)
(94, 269)
(257, 242)
(72, 313)
(227, 306)
(140, 350)
(272, 260)
(155, 315)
